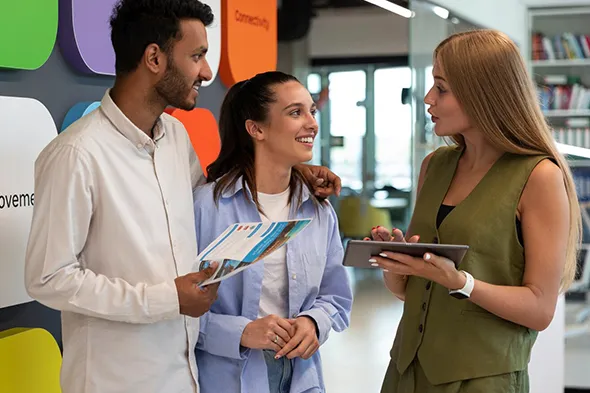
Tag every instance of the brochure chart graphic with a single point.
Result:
(243, 244)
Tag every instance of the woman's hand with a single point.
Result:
(382, 234)
(431, 267)
(305, 341)
(270, 332)
(395, 282)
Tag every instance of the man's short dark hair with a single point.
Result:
(135, 24)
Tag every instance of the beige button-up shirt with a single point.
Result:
(112, 228)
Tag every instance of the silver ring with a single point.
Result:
(276, 341)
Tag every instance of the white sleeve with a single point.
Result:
(54, 274)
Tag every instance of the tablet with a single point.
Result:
(358, 252)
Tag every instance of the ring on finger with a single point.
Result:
(276, 340)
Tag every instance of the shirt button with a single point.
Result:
(428, 285)
(294, 276)
(421, 328)
(294, 316)
(424, 306)
(139, 145)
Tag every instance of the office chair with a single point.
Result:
(358, 217)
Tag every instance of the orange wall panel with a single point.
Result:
(203, 132)
(249, 39)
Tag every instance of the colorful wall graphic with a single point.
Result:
(26, 127)
(28, 29)
(249, 39)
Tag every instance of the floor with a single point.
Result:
(577, 350)
(355, 360)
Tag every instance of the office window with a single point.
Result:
(393, 129)
(348, 120)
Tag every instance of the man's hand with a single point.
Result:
(270, 332)
(325, 182)
(305, 341)
(193, 300)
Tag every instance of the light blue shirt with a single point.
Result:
(318, 288)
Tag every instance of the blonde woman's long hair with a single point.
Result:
(489, 78)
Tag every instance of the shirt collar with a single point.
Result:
(238, 186)
(126, 127)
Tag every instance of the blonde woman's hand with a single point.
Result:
(395, 280)
(431, 267)
(380, 233)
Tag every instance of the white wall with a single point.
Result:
(547, 366)
(353, 32)
(376, 32)
(508, 16)
(505, 15)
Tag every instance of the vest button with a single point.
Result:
(424, 306)
(428, 285)
(421, 328)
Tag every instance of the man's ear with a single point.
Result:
(254, 130)
(154, 58)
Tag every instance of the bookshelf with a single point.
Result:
(560, 64)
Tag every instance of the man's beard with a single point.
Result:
(174, 88)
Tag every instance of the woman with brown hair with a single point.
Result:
(264, 332)
(503, 189)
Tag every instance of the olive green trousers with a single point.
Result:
(413, 380)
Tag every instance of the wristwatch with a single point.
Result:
(465, 292)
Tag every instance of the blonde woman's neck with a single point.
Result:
(478, 151)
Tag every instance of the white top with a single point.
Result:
(112, 228)
(274, 296)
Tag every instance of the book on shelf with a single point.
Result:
(566, 46)
(579, 137)
(563, 92)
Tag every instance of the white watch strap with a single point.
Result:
(468, 287)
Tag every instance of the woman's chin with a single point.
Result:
(307, 159)
(441, 132)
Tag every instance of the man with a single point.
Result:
(112, 242)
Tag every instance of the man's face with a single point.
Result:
(187, 67)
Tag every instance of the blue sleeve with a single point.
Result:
(332, 307)
(221, 335)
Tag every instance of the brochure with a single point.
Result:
(243, 244)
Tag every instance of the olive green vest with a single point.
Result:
(455, 339)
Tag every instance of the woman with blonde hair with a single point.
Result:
(503, 189)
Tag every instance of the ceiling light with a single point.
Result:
(398, 9)
(442, 12)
